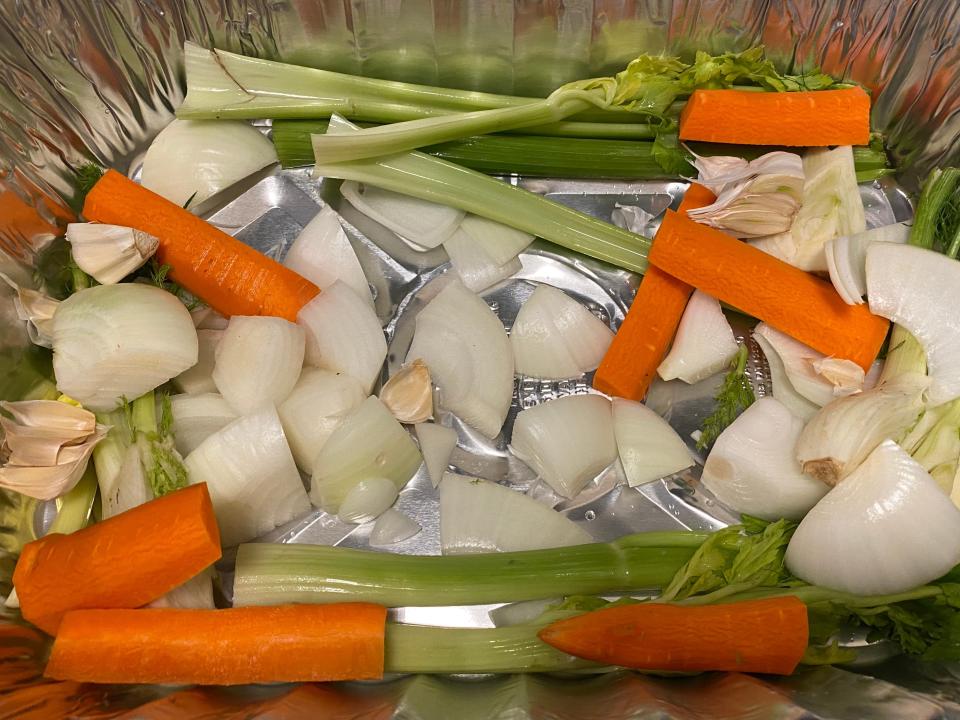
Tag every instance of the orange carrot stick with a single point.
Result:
(231, 277)
(638, 348)
(123, 562)
(763, 636)
(797, 303)
(813, 118)
(290, 643)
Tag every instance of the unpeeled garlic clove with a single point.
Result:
(409, 393)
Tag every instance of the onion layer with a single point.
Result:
(367, 500)
(425, 224)
(197, 417)
(392, 527)
(199, 378)
(649, 448)
(704, 344)
(436, 445)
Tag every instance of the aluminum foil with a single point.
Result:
(96, 79)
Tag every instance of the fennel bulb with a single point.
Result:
(847, 258)
(649, 448)
(197, 417)
(704, 344)
(108, 253)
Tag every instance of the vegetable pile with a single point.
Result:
(205, 396)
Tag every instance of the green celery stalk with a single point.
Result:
(271, 573)
(74, 508)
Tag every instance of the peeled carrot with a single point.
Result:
(644, 337)
(795, 302)
(125, 561)
(290, 643)
(231, 277)
(812, 118)
(762, 636)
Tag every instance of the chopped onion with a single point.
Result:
(753, 468)
(367, 500)
(918, 289)
(392, 527)
(206, 318)
(501, 242)
(847, 258)
(258, 361)
(704, 344)
(421, 222)
(199, 378)
(197, 417)
(635, 219)
(409, 393)
(127, 488)
(839, 437)
(783, 389)
(369, 443)
(344, 334)
(649, 448)
(315, 408)
(555, 337)
(479, 516)
(567, 441)
(887, 528)
(323, 254)
(195, 594)
(471, 261)
(436, 445)
(467, 350)
(120, 341)
(190, 161)
(109, 252)
(252, 478)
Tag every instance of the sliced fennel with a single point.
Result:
(369, 443)
(425, 224)
(258, 361)
(344, 334)
(322, 254)
(315, 408)
(199, 378)
(368, 500)
(649, 448)
(252, 478)
(436, 445)
(831, 208)
(863, 536)
(783, 389)
(934, 442)
(109, 253)
(910, 286)
(567, 441)
(197, 417)
(753, 468)
(392, 527)
(120, 341)
(704, 344)
(464, 345)
(190, 162)
(480, 516)
(847, 258)
(555, 337)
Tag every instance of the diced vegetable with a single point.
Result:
(220, 647)
(195, 594)
(473, 262)
(392, 527)
(199, 378)
(436, 445)
(648, 447)
(704, 344)
(233, 278)
(197, 417)
(847, 258)
(783, 389)
(368, 500)
(123, 562)
(109, 253)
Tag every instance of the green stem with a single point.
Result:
(73, 509)
(144, 414)
(937, 192)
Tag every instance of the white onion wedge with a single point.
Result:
(704, 344)
(197, 417)
(783, 389)
(193, 160)
(567, 441)
(917, 289)
(315, 408)
(886, 529)
(649, 448)
(436, 445)
(369, 443)
(258, 361)
(473, 264)
(392, 527)
(480, 516)
(367, 500)
(199, 378)
(753, 468)
(120, 341)
(467, 350)
(344, 334)
(322, 254)
(555, 337)
(420, 222)
(252, 478)
(501, 243)
(847, 258)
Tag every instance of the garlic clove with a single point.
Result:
(409, 394)
(109, 252)
(49, 482)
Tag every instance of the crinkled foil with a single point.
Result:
(84, 80)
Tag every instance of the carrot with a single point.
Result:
(289, 643)
(123, 562)
(638, 348)
(231, 277)
(797, 303)
(812, 118)
(763, 636)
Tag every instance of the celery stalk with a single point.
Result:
(73, 509)
(267, 574)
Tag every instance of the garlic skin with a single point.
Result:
(846, 376)
(409, 393)
(109, 253)
(36, 310)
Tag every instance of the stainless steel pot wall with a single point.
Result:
(88, 80)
